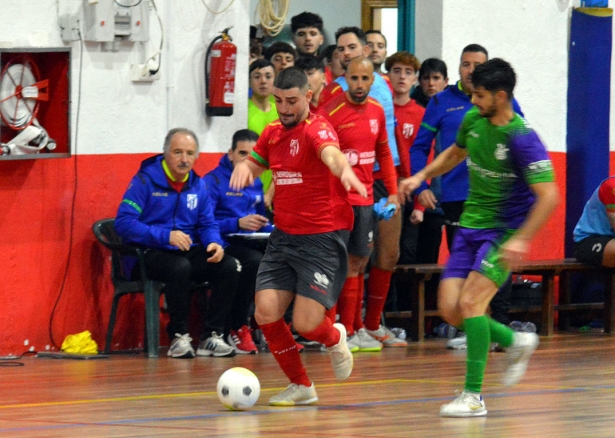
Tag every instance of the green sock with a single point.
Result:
(500, 333)
(478, 342)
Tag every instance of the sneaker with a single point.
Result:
(241, 340)
(352, 342)
(305, 342)
(467, 404)
(458, 343)
(386, 337)
(300, 347)
(215, 346)
(295, 395)
(518, 356)
(180, 347)
(341, 357)
(366, 343)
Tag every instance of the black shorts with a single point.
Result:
(360, 241)
(380, 191)
(311, 265)
(591, 249)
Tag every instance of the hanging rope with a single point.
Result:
(219, 12)
(272, 15)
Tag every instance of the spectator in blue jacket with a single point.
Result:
(167, 209)
(240, 214)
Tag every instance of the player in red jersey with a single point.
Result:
(361, 127)
(306, 258)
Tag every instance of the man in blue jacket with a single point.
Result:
(167, 209)
(240, 214)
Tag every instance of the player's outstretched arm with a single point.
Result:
(244, 174)
(338, 164)
(515, 249)
(446, 161)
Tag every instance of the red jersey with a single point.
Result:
(308, 198)
(409, 117)
(329, 92)
(363, 139)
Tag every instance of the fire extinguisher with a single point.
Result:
(220, 61)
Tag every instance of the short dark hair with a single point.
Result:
(260, 63)
(433, 65)
(243, 135)
(351, 29)
(327, 53)
(404, 58)
(495, 75)
(310, 63)
(306, 19)
(169, 137)
(291, 77)
(378, 33)
(475, 48)
(280, 47)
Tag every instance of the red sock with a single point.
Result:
(358, 312)
(284, 348)
(331, 313)
(347, 303)
(325, 333)
(377, 290)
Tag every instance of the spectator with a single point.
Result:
(333, 66)
(433, 78)
(167, 209)
(306, 29)
(377, 43)
(240, 212)
(315, 70)
(282, 55)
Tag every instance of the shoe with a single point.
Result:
(295, 395)
(180, 347)
(467, 404)
(300, 347)
(518, 356)
(341, 357)
(352, 342)
(305, 342)
(366, 343)
(215, 346)
(386, 337)
(519, 326)
(241, 340)
(458, 343)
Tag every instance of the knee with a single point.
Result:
(265, 315)
(230, 265)
(181, 271)
(304, 324)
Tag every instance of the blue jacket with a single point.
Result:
(442, 119)
(229, 205)
(151, 209)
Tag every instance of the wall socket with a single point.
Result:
(141, 73)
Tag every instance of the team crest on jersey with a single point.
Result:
(373, 124)
(352, 155)
(294, 147)
(501, 151)
(408, 130)
(192, 201)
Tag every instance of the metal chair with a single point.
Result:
(104, 231)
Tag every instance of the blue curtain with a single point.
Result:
(406, 11)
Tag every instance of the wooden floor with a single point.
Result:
(569, 391)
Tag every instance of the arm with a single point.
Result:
(421, 148)
(447, 160)
(244, 174)
(517, 247)
(336, 161)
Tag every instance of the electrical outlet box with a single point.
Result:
(141, 73)
(69, 25)
(108, 20)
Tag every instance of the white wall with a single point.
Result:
(121, 116)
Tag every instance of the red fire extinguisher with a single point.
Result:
(220, 61)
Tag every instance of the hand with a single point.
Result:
(407, 186)
(350, 181)
(253, 222)
(241, 177)
(416, 217)
(180, 240)
(218, 252)
(393, 199)
(427, 199)
(514, 251)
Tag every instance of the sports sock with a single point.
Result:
(500, 333)
(284, 348)
(325, 333)
(358, 313)
(478, 342)
(347, 303)
(377, 290)
(332, 313)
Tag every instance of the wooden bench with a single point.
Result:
(547, 269)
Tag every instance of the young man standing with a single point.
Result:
(315, 71)
(282, 55)
(306, 29)
(378, 46)
(433, 78)
(512, 195)
(306, 258)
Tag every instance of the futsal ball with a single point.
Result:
(238, 389)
